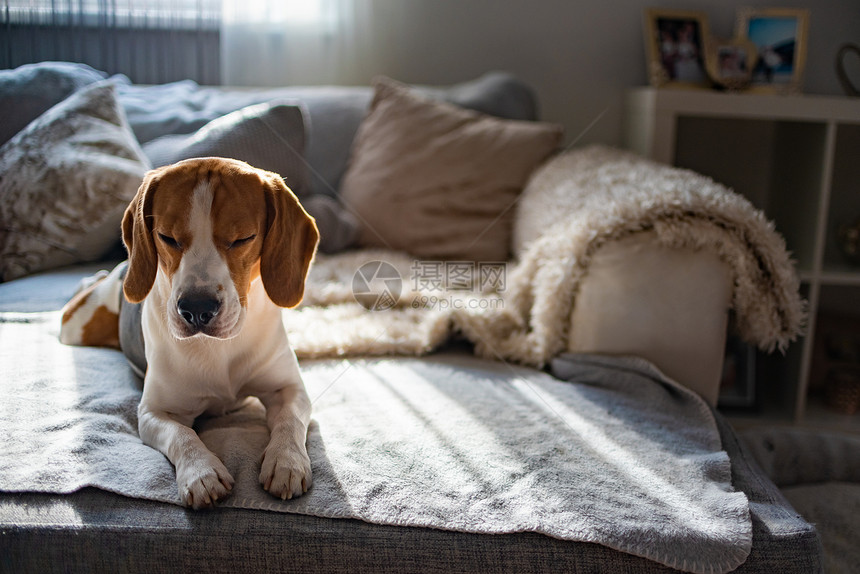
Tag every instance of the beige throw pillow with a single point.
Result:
(437, 180)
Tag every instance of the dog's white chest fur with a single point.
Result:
(217, 374)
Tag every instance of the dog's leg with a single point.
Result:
(202, 477)
(286, 469)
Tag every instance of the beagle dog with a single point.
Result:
(216, 248)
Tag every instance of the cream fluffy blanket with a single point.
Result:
(572, 205)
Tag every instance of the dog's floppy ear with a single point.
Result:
(138, 239)
(289, 246)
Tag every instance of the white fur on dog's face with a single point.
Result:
(203, 272)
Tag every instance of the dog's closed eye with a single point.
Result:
(170, 242)
(242, 241)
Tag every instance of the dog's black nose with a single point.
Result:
(198, 311)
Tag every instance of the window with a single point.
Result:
(114, 13)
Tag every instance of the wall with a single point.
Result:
(580, 55)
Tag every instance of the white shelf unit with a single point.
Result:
(798, 159)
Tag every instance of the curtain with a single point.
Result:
(300, 42)
(151, 41)
(233, 42)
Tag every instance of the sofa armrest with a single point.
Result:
(667, 305)
(577, 217)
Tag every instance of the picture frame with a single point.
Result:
(780, 36)
(730, 62)
(675, 47)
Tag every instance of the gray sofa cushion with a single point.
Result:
(334, 113)
(819, 473)
(792, 456)
(783, 541)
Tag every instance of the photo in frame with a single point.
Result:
(675, 47)
(780, 36)
(730, 62)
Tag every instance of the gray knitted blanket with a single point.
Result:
(613, 454)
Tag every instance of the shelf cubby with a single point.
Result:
(797, 158)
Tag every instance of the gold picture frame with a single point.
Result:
(675, 43)
(780, 36)
(730, 62)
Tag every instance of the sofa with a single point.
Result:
(514, 349)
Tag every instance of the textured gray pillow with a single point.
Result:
(268, 136)
(65, 181)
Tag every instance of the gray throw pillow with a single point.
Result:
(268, 136)
(65, 181)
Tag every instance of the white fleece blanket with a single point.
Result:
(618, 456)
(572, 205)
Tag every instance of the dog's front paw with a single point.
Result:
(286, 471)
(203, 482)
